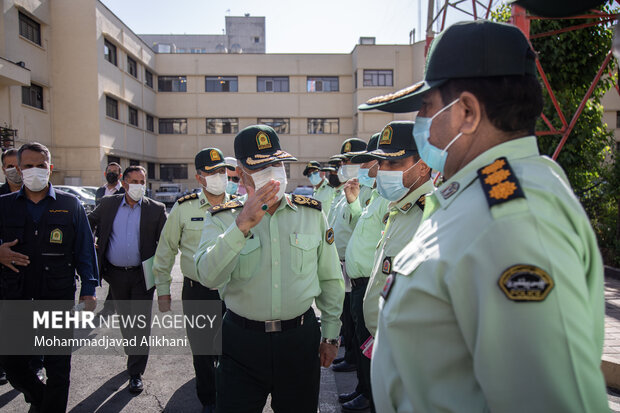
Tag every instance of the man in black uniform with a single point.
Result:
(9, 168)
(46, 235)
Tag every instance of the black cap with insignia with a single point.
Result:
(558, 8)
(350, 148)
(395, 142)
(258, 145)
(311, 167)
(477, 49)
(210, 159)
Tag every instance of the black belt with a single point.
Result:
(188, 282)
(360, 282)
(271, 326)
(136, 268)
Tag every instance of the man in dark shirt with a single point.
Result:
(9, 168)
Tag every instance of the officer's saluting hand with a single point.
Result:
(257, 205)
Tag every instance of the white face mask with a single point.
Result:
(262, 178)
(36, 179)
(216, 184)
(13, 176)
(136, 191)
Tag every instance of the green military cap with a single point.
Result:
(210, 159)
(396, 142)
(351, 147)
(558, 8)
(372, 145)
(258, 145)
(335, 160)
(477, 49)
(310, 167)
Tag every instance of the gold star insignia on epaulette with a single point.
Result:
(306, 201)
(225, 206)
(407, 206)
(187, 197)
(499, 182)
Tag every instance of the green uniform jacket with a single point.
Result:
(325, 195)
(182, 231)
(497, 303)
(404, 217)
(287, 261)
(342, 218)
(367, 233)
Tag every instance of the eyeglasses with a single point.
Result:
(235, 179)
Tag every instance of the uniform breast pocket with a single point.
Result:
(303, 252)
(193, 231)
(249, 258)
(59, 275)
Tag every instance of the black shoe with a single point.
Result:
(3, 379)
(347, 397)
(135, 384)
(360, 403)
(344, 366)
(208, 408)
(338, 360)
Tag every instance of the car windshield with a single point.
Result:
(167, 189)
(77, 191)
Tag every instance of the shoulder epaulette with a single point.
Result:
(225, 206)
(306, 201)
(187, 197)
(499, 182)
(421, 202)
(233, 196)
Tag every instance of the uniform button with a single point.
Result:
(47, 268)
(276, 285)
(275, 263)
(274, 240)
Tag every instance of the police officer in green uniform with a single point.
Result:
(271, 257)
(182, 232)
(404, 181)
(497, 303)
(323, 192)
(359, 260)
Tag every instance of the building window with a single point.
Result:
(272, 84)
(170, 171)
(325, 125)
(111, 107)
(222, 125)
(323, 84)
(280, 125)
(29, 28)
(32, 96)
(220, 83)
(173, 126)
(378, 78)
(112, 158)
(618, 120)
(150, 124)
(109, 51)
(150, 170)
(172, 83)
(132, 67)
(256, 39)
(133, 162)
(148, 78)
(133, 116)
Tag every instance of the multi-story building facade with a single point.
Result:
(74, 77)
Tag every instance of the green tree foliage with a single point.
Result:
(570, 61)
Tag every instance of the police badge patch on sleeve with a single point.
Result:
(329, 236)
(525, 283)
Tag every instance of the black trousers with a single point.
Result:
(204, 365)
(348, 330)
(255, 364)
(361, 335)
(132, 297)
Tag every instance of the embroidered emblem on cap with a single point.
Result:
(386, 136)
(347, 147)
(499, 182)
(389, 282)
(386, 268)
(56, 236)
(525, 283)
(329, 236)
(450, 190)
(263, 141)
(214, 155)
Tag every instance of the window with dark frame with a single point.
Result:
(170, 171)
(148, 78)
(171, 126)
(150, 123)
(322, 84)
(109, 52)
(317, 126)
(222, 125)
(111, 107)
(32, 96)
(221, 84)
(132, 116)
(29, 29)
(132, 67)
(280, 125)
(112, 158)
(378, 77)
(133, 162)
(272, 84)
(618, 120)
(150, 170)
(172, 84)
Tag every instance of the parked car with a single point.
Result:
(86, 198)
(91, 189)
(168, 193)
(303, 190)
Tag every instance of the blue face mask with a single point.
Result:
(364, 179)
(231, 187)
(431, 155)
(390, 184)
(315, 178)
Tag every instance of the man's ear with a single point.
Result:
(51, 167)
(469, 111)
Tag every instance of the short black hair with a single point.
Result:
(113, 164)
(36, 147)
(8, 152)
(511, 103)
(133, 168)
